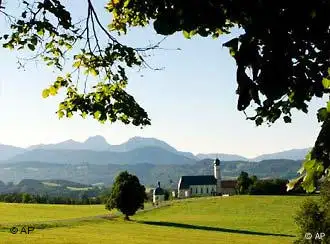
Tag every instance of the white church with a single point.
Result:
(203, 185)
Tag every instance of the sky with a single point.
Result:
(191, 102)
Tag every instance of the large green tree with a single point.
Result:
(282, 57)
(243, 183)
(127, 194)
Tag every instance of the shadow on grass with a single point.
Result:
(208, 228)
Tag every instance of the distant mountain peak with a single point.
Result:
(67, 141)
(97, 142)
(140, 138)
(97, 138)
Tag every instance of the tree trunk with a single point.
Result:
(126, 218)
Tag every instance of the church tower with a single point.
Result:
(217, 174)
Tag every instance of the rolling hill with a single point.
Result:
(7, 152)
(149, 174)
(293, 154)
(222, 156)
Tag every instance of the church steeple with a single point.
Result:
(217, 162)
(217, 174)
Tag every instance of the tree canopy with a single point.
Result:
(127, 194)
(282, 57)
(243, 183)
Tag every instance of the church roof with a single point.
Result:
(187, 181)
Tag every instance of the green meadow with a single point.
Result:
(235, 219)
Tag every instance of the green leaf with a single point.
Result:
(45, 93)
(34, 40)
(232, 52)
(97, 114)
(69, 114)
(31, 47)
(76, 64)
(186, 34)
(308, 183)
(322, 114)
(259, 121)
(301, 170)
(328, 107)
(309, 164)
(60, 114)
(287, 119)
(126, 3)
(326, 83)
(94, 72)
(59, 78)
(308, 156)
(8, 45)
(41, 32)
(52, 90)
(319, 167)
(62, 106)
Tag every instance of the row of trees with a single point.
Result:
(46, 199)
(253, 186)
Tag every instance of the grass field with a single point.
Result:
(15, 212)
(236, 219)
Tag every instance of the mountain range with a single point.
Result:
(96, 150)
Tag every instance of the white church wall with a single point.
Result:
(202, 190)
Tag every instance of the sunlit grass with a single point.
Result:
(15, 212)
(237, 219)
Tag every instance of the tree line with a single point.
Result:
(19, 197)
(254, 186)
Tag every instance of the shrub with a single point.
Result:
(314, 218)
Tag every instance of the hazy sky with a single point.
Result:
(192, 102)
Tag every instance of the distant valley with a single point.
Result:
(149, 174)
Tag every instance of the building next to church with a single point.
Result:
(158, 195)
(203, 185)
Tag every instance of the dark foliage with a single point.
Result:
(46, 199)
(127, 194)
(254, 186)
(311, 218)
(243, 183)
